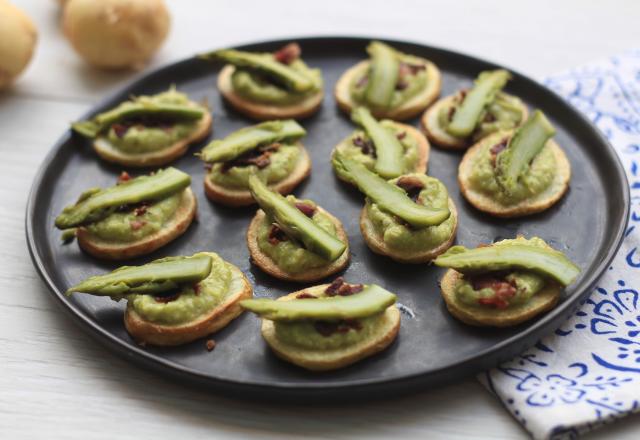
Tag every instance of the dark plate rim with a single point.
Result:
(159, 363)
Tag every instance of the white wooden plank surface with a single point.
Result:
(57, 383)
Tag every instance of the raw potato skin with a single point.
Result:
(18, 38)
(108, 152)
(423, 149)
(109, 251)
(264, 262)
(116, 34)
(262, 111)
(439, 136)
(146, 332)
(325, 360)
(243, 197)
(407, 110)
(377, 245)
(542, 301)
(539, 203)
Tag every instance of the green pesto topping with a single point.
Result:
(468, 113)
(290, 255)
(514, 161)
(388, 149)
(516, 254)
(295, 224)
(190, 302)
(249, 138)
(398, 235)
(159, 276)
(356, 148)
(505, 112)
(391, 79)
(170, 106)
(390, 197)
(97, 204)
(372, 300)
(534, 180)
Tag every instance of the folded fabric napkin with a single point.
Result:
(587, 373)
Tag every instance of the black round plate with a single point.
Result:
(432, 348)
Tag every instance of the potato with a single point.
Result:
(18, 38)
(116, 34)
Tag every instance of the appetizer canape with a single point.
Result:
(515, 173)
(271, 149)
(329, 326)
(459, 120)
(147, 130)
(505, 283)
(174, 300)
(276, 85)
(410, 218)
(134, 217)
(387, 148)
(294, 240)
(391, 84)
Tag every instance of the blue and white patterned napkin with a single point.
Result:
(587, 374)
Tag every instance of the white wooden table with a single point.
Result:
(55, 382)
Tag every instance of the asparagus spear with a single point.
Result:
(383, 75)
(294, 223)
(467, 114)
(266, 64)
(389, 150)
(97, 203)
(370, 301)
(523, 147)
(158, 276)
(249, 138)
(390, 197)
(508, 255)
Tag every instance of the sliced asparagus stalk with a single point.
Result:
(294, 223)
(483, 92)
(515, 254)
(383, 75)
(265, 64)
(249, 138)
(372, 300)
(389, 150)
(98, 203)
(390, 197)
(523, 147)
(156, 277)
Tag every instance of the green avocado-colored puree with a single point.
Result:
(398, 235)
(289, 255)
(412, 84)
(304, 334)
(125, 227)
(527, 283)
(504, 113)
(351, 151)
(282, 163)
(144, 139)
(533, 181)
(258, 88)
(189, 305)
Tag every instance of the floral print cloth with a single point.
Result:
(587, 373)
